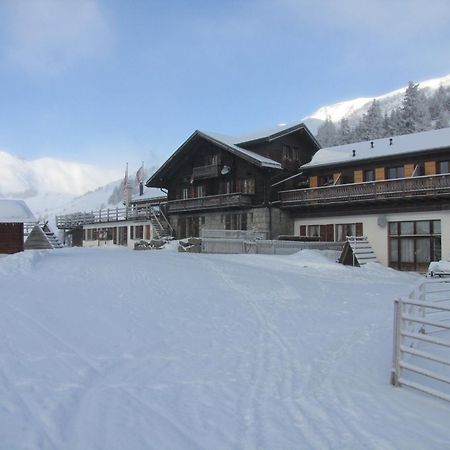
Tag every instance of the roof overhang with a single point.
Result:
(156, 180)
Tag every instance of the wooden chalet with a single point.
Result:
(221, 182)
(395, 191)
(13, 215)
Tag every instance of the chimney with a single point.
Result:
(353, 152)
(371, 144)
(390, 141)
(141, 188)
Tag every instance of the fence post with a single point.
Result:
(395, 374)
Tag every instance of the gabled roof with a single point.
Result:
(270, 134)
(15, 211)
(231, 144)
(382, 148)
(225, 142)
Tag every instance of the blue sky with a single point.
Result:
(109, 81)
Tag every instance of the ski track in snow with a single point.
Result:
(159, 350)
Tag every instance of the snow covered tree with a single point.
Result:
(443, 119)
(327, 133)
(371, 124)
(415, 115)
(344, 132)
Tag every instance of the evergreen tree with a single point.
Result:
(327, 133)
(414, 111)
(443, 119)
(371, 124)
(344, 132)
(437, 103)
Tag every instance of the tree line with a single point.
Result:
(417, 112)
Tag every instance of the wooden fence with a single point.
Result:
(421, 356)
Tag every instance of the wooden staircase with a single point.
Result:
(161, 226)
(357, 251)
(41, 237)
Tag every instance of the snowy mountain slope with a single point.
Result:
(354, 109)
(112, 349)
(51, 186)
(24, 178)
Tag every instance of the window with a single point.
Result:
(225, 187)
(342, 230)
(414, 244)
(212, 160)
(235, 221)
(443, 167)
(302, 230)
(200, 190)
(139, 232)
(395, 172)
(185, 193)
(287, 153)
(326, 180)
(246, 185)
(314, 231)
(369, 175)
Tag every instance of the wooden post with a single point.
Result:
(395, 375)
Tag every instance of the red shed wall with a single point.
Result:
(11, 237)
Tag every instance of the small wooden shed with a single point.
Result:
(13, 214)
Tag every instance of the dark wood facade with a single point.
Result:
(11, 237)
(210, 175)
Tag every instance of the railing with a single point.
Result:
(205, 172)
(210, 202)
(421, 357)
(385, 189)
(27, 227)
(77, 220)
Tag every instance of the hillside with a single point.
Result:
(356, 108)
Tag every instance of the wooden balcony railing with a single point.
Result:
(235, 200)
(433, 185)
(77, 220)
(202, 172)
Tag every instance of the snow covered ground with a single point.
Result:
(113, 349)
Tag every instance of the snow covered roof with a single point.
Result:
(15, 211)
(407, 143)
(231, 142)
(149, 193)
(272, 133)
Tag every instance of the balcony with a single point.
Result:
(203, 172)
(235, 200)
(396, 189)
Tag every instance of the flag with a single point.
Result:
(125, 186)
(140, 174)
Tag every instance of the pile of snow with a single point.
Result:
(439, 267)
(166, 350)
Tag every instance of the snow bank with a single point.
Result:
(164, 350)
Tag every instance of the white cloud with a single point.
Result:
(49, 36)
(386, 19)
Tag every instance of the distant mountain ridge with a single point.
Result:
(354, 109)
